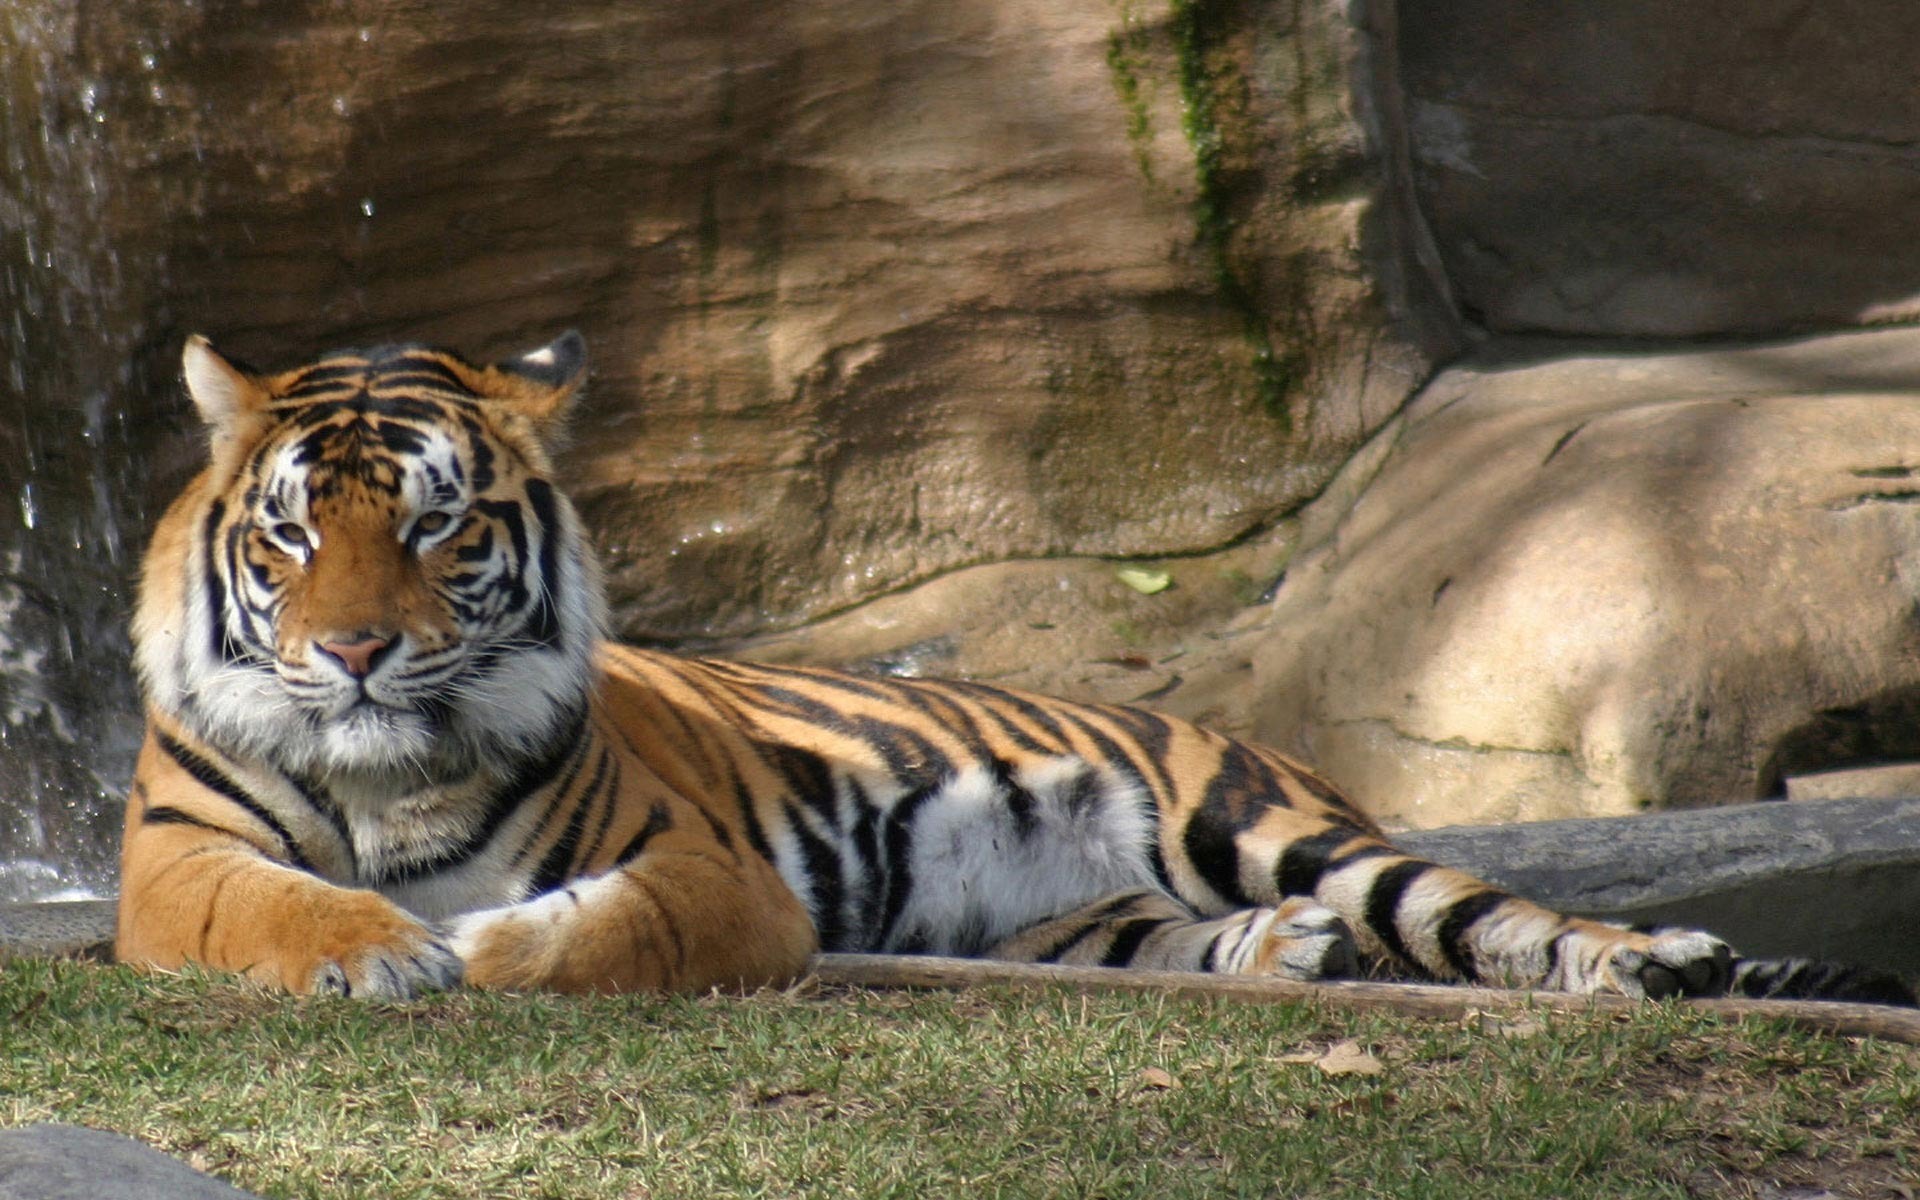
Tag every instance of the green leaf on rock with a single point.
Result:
(1145, 580)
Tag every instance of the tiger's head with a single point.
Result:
(374, 576)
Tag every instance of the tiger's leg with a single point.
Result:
(681, 911)
(1446, 924)
(1296, 939)
(204, 881)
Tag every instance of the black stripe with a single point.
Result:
(480, 550)
(756, 836)
(764, 677)
(806, 775)
(323, 376)
(533, 774)
(897, 876)
(399, 438)
(418, 380)
(323, 803)
(827, 890)
(608, 808)
(1127, 939)
(1214, 853)
(658, 822)
(543, 626)
(1022, 706)
(1306, 859)
(479, 447)
(162, 814)
(1383, 904)
(987, 699)
(947, 711)
(865, 841)
(558, 865)
(686, 734)
(1092, 922)
(1242, 790)
(721, 833)
(1553, 955)
(1153, 735)
(1213, 948)
(571, 772)
(1458, 923)
(784, 700)
(1112, 753)
(210, 777)
(1021, 805)
(224, 651)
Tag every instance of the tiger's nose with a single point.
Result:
(358, 657)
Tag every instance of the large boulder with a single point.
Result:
(1593, 583)
(72, 1162)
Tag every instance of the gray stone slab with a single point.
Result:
(1828, 879)
(59, 929)
(69, 1162)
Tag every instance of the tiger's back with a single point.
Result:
(388, 749)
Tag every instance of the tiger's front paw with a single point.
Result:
(370, 949)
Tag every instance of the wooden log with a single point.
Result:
(1407, 999)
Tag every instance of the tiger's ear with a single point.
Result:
(228, 396)
(540, 385)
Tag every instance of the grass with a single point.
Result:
(828, 1092)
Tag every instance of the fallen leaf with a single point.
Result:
(1347, 1058)
(1156, 1079)
(1145, 580)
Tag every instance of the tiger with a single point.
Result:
(390, 750)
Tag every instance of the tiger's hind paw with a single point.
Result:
(1681, 962)
(1298, 940)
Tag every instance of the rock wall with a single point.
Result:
(872, 293)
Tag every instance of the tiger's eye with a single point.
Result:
(290, 533)
(432, 522)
